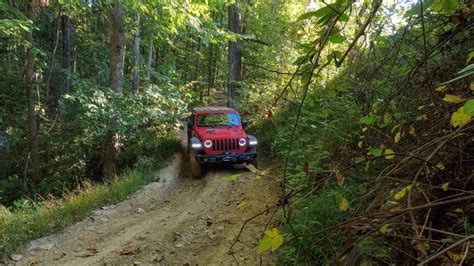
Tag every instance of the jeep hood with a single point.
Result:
(221, 133)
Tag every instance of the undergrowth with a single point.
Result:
(29, 220)
(380, 170)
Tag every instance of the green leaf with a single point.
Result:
(271, 238)
(301, 59)
(265, 244)
(460, 118)
(445, 186)
(401, 194)
(343, 204)
(344, 17)
(468, 107)
(307, 15)
(230, 178)
(467, 71)
(470, 56)
(452, 98)
(438, 5)
(272, 232)
(368, 120)
(375, 152)
(277, 241)
(384, 229)
(450, 5)
(398, 137)
(318, 13)
(337, 38)
(440, 166)
(441, 88)
(389, 154)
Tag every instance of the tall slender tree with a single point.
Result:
(136, 55)
(235, 54)
(31, 79)
(65, 58)
(117, 60)
(150, 57)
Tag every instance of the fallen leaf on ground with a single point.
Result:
(93, 250)
(35, 262)
(231, 178)
(227, 221)
(452, 98)
(340, 178)
(85, 255)
(241, 204)
(130, 250)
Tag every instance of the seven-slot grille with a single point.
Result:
(225, 144)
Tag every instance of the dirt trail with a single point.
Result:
(176, 220)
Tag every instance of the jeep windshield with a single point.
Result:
(218, 119)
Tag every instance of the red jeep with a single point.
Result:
(215, 136)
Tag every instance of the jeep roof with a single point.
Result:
(211, 109)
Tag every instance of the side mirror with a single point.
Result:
(245, 123)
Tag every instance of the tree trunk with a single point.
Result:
(117, 60)
(53, 53)
(150, 58)
(136, 67)
(30, 76)
(210, 68)
(235, 55)
(65, 59)
(197, 69)
(117, 47)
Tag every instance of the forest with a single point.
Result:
(363, 111)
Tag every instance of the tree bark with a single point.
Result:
(150, 58)
(117, 47)
(198, 68)
(65, 59)
(31, 79)
(235, 55)
(53, 53)
(136, 67)
(111, 148)
(210, 68)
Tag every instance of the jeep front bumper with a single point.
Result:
(226, 158)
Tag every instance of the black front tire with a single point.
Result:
(197, 170)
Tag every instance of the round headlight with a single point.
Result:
(242, 142)
(207, 143)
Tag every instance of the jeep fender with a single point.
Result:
(252, 139)
(194, 144)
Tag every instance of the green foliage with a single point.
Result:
(326, 126)
(26, 221)
(370, 247)
(313, 214)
